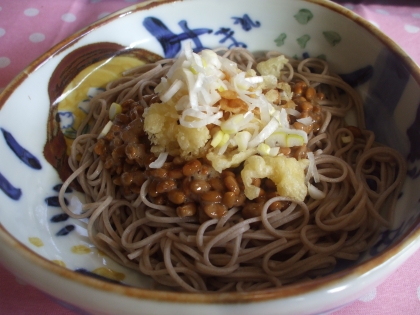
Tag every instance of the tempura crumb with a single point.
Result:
(272, 66)
(287, 173)
(166, 135)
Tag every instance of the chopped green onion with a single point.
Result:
(277, 138)
(225, 139)
(263, 149)
(346, 139)
(294, 140)
(242, 139)
(114, 110)
(217, 138)
(105, 130)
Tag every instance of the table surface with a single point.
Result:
(30, 27)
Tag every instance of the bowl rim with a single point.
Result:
(408, 239)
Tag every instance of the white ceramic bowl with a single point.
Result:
(43, 248)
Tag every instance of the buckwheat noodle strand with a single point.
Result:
(360, 179)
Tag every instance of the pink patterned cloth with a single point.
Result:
(30, 27)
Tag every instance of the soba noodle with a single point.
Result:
(359, 178)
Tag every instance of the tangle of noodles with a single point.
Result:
(359, 178)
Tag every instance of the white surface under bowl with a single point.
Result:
(44, 249)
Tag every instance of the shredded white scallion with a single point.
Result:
(315, 193)
(312, 170)
(306, 121)
(158, 163)
(176, 85)
(293, 112)
(264, 133)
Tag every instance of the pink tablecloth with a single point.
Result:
(30, 27)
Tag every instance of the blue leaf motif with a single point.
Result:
(24, 155)
(65, 230)
(53, 201)
(59, 217)
(58, 187)
(11, 191)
